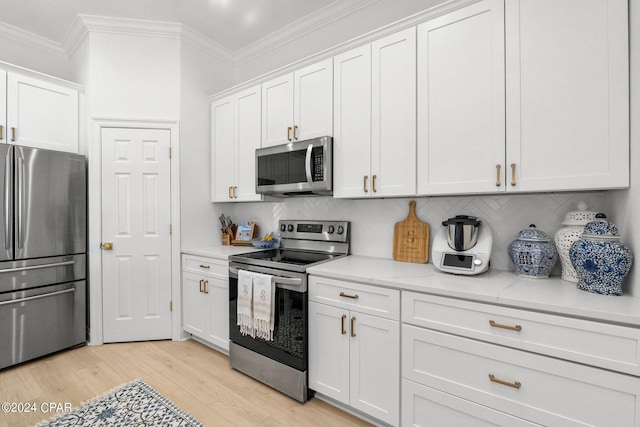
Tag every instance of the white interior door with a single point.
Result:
(136, 215)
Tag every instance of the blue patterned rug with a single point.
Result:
(132, 404)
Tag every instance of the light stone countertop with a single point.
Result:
(551, 295)
(219, 252)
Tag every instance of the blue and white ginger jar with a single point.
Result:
(601, 261)
(532, 253)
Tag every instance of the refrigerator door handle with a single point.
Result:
(7, 200)
(20, 198)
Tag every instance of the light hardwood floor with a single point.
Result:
(196, 378)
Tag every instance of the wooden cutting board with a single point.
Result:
(411, 238)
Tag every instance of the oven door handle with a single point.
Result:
(294, 281)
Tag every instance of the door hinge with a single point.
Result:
(169, 152)
(170, 229)
(171, 306)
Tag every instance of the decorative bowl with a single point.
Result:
(264, 244)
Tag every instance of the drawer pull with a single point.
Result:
(342, 294)
(511, 328)
(515, 384)
(204, 266)
(353, 326)
(342, 329)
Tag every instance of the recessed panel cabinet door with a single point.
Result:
(248, 134)
(194, 305)
(42, 114)
(277, 111)
(329, 351)
(567, 94)
(393, 115)
(461, 108)
(223, 151)
(217, 291)
(3, 107)
(352, 123)
(313, 101)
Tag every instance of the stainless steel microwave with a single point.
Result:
(299, 168)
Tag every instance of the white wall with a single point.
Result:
(32, 58)
(201, 75)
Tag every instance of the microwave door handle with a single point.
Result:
(308, 164)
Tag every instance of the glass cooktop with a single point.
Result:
(286, 256)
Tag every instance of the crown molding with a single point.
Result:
(25, 38)
(207, 45)
(299, 28)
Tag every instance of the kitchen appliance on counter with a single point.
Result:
(299, 168)
(282, 362)
(42, 252)
(462, 246)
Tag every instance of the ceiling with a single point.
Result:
(232, 24)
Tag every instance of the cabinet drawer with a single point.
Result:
(425, 406)
(206, 266)
(540, 389)
(367, 299)
(599, 344)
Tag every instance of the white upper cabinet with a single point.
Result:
(3, 107)
(567, 94)
(299, 105)
(375, 118)
(235, 134)
(461, 109)
(39, 113)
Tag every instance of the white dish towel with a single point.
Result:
(245, 303)
(264, 295)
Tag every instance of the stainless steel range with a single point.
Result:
(282, 362)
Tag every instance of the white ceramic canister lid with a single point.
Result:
(580, 217)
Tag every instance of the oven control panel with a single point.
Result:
(334, 231)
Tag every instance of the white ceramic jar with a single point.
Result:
(574, 223)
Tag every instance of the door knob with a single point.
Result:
(106, 246)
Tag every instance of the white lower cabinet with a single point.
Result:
(205, 299)
(354, 356)
(457, 372)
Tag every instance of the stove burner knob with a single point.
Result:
(283, 227)
(340, 229)
(290, 227)
(331, 229)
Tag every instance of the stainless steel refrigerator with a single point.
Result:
(43, 223)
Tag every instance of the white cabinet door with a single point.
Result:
(313, 101)
(277, 111)
(375, 366)
(42, 114)
(248, 132)
(194, 305)
(352, 122)
(217, 291)
(393, 136)
(3, 107)
(461, 107)
(223, 152)
(329, 351)
(567, 94)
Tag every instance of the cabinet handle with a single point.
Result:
(511, 328)
(295, 128)
(231, 197)
(366, 177)
(513, 174)
(201, 284)
(204, 266)
(235, 192)
(373, 183)
(206, 283)
(289, 133)
(515, 384)
(342, 294)
(498, 181)
(1, 132)
(353, 326)
(13, 134)
(342, 329)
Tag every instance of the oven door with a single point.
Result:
(290, 342)
(300, 167)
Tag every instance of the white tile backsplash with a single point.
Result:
(372, 220)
